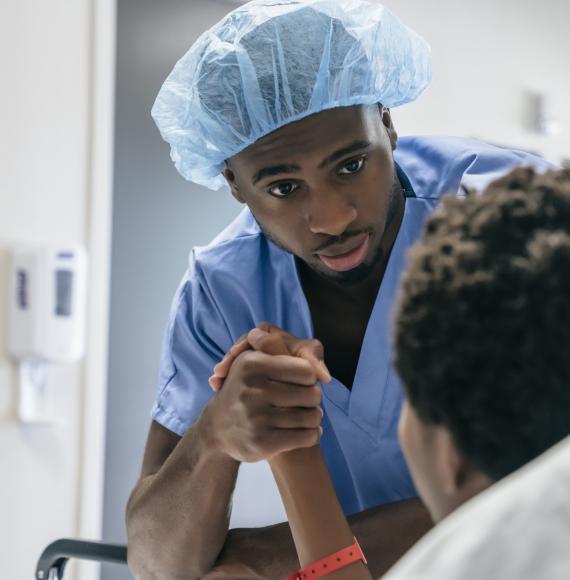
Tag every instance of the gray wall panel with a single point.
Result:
(158, 217)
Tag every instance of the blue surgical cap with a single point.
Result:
(272, 62)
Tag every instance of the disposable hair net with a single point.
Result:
(271, 62)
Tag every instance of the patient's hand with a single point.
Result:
(270, 339)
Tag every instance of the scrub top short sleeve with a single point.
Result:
(196, 339)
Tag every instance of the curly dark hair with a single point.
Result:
(482, 329)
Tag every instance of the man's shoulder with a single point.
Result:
(240, 256)
(241, 228)
(235, 245)
(436, 165)
(449, 151)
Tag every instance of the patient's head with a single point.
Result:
(483, 336)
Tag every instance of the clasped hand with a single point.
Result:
(268, 395)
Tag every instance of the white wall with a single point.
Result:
(47, 160)
(487, 56)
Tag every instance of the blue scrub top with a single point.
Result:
(241, 279)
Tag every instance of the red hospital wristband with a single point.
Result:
(331, 563)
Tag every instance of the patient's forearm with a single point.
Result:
(316, 519)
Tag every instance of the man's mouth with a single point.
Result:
(347, 259)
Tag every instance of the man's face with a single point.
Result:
(420, 449)
(443, 477)
(323, 188)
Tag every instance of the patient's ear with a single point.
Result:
(460, 478)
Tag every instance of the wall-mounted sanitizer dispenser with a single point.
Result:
(46, 322)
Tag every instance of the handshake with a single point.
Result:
(268, 395)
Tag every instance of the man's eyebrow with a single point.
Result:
(274, 170)
(356, 146)
(277, 169)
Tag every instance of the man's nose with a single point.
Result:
(330, 212)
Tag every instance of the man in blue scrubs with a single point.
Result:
(287, 102)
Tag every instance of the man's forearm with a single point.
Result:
(256, 554)
(385, 533)
(177, 519)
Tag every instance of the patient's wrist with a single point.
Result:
(296, 459)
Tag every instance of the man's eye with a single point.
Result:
(282, 189)
(352, 166)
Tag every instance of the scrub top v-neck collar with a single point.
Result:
(362, 404)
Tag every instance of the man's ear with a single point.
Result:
(230, 177)
(387, 122)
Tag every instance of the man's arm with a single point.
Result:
(178, 514)
(315, 516)
(385, 533)
(319, 527)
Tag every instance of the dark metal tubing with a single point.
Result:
(54, 558)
